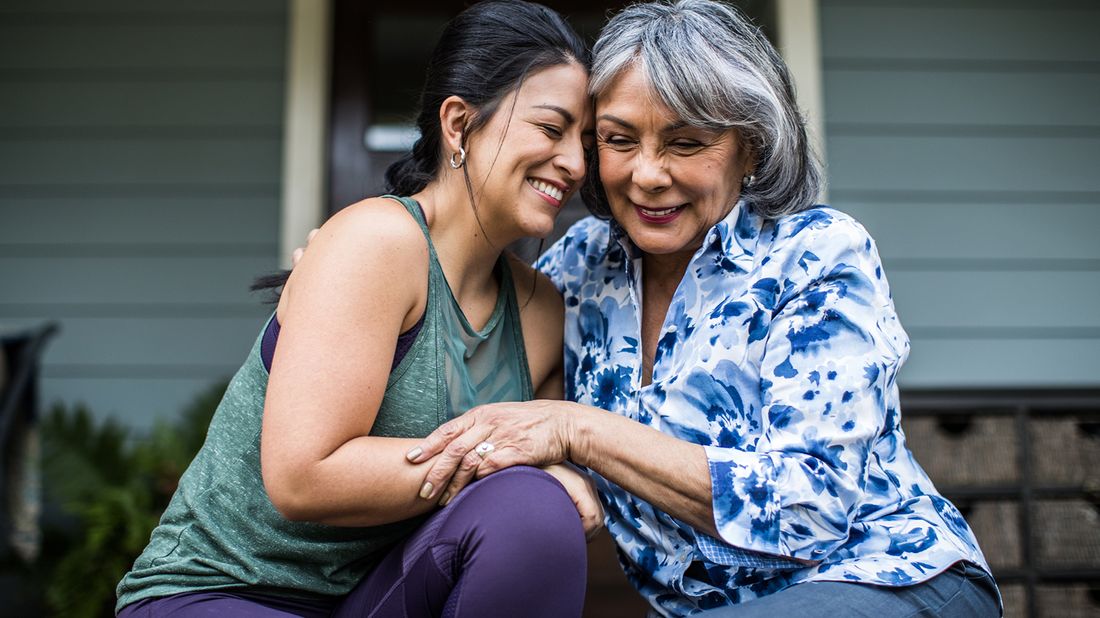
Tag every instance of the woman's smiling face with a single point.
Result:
(528, 159)
(667, 182)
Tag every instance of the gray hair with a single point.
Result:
(714, 69)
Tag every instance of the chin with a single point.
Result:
(656, 242)
(538, 228)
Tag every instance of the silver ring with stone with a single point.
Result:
(484, 449)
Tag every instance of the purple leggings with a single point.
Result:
(510, 544)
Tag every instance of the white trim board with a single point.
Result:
(799, 31)
(305, 118)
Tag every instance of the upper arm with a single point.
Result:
(363, 278)
(827, 368)
(542, 315)
(830, 353)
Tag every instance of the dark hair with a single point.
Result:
(484, 53)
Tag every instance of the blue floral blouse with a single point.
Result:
(779, 354)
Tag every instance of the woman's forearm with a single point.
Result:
(671, 474)
(365, 482)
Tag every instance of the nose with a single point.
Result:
(570, 159)
(650, 172)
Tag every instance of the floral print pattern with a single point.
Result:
(778, 354)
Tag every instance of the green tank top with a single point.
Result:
(221, 531)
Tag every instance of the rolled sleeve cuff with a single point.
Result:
(746, 508)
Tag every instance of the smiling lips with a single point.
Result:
(658, 216)
(554, 192)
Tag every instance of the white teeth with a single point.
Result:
(660, 213)
(548, 189)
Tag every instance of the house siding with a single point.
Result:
(140, 154)
(964, 135)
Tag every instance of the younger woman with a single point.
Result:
(404, 314)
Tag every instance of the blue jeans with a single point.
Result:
(963, 591)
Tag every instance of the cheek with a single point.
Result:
(714, 178)
(614, 167)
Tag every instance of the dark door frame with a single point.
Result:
(349, 162)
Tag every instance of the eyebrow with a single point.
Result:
(679, 124)
(569, 118)
(616, 120)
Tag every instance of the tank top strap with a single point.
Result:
(437, 280)
(512, 307)
(417, 213)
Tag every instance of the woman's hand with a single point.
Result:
(583, 492)
(296, 255)
(534, 433)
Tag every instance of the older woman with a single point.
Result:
(730, 353)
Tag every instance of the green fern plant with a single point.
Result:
(114, 488)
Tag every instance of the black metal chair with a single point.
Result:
(22, 352)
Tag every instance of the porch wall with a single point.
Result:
(964, 135)
(140, 149)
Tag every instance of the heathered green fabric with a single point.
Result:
(220, 529)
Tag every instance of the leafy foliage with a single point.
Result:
(114, 487)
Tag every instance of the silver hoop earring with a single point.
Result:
(747, 181)
(461, 158)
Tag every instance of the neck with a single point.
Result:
(662, 273)
(467, 248)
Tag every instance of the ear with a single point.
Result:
(746, 156)
(455, 115)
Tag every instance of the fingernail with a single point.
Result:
(413, 454)
(426, 490)
(446, 498)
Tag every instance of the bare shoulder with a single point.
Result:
(382, 220)
(372, 248)
(376, 232)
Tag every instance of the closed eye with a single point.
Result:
(617, 141)
(686, 145)
(551, 130)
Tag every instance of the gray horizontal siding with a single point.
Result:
(1007, 100)
(60, 107)
(923, 228)
(135, 279)
(147, 160)
(962, 362)
(956, 32)
(155, 345)
(964, 136)
(83, 41)
(889, 162)
(131, 8)
(140, 154)
(1009, 298)
(123, 222)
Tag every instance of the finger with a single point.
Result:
(592, 531)
(592, 518)
(296, 256)
(499, 459)
(462, 477)
(436, 441)
(447, 464)
(311, 235)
